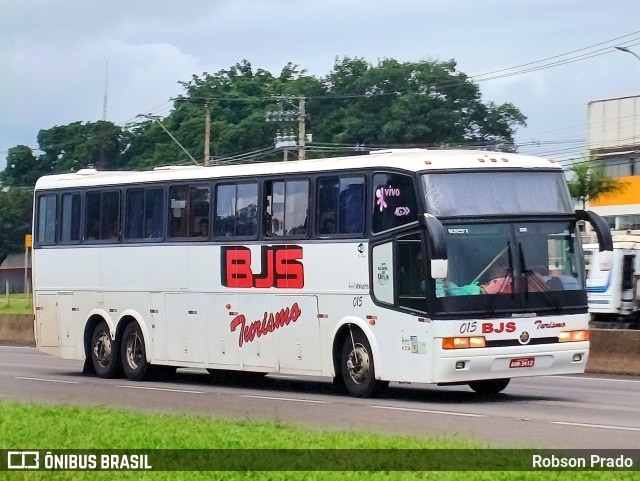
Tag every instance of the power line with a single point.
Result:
(562, 54)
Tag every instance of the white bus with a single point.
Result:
(448, 267)
(614, 295)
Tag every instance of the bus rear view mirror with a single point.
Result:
(439, 268)
(437, 246)
(605, 260)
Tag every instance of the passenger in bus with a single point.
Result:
(275, 226)
(94, 232)
(501, 278)
(203, 228)
(446, 287)
(328, 226)
(114, 231)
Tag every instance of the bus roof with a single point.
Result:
(411, 160)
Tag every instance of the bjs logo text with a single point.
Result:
(488, 327)
(281, 267)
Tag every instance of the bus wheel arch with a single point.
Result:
(353, 359)
(133, 351)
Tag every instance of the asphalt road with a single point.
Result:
(547, 412)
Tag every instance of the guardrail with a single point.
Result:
(613, 351)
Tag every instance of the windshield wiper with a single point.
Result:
(507, 277)
(536, 282)
(509, 271)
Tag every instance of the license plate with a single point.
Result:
(522, 362)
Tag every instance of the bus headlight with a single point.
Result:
(462, 342)
(573, 336)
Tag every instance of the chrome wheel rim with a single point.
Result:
(133, 349)
(358, 364)
(102, 349)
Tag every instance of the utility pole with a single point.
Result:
(106, 83)
(301, 134)
(207, 134)
(283, 140)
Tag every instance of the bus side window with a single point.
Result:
(199, 212)
(46, 223)
(153, 213)
(110, 216)
(236, 210)
(287, 208)
(143, 217)
(394, 201)
(412, 276)
(247, 210)
(188, 205)
(134, 214)
(102, 216)
(352, 207)
(178, 218)
(70, 218)
(340, 202)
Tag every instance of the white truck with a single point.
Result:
(614, 295)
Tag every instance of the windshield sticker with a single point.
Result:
(401, 211)
(384, 192)
(383, 273)
(434, 198)
(413, 345)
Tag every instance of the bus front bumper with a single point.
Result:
(463, 365)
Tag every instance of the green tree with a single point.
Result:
(68, 148)
(410, 103)
(391, 103)
(16, 205)
(23, 168)
(589, 182)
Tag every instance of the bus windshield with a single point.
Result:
(494, 193)
(511, 267)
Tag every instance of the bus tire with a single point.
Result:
(490, 387)
(357, 366)
(134, 354)
(104, 352)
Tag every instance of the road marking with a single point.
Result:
(46, 380)
(592, 378)
(312, 401)
(600, 426)
(162, 389)
(427, 411)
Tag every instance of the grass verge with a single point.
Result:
(26, 426)
(16, 304)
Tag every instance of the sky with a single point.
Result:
(54, 54)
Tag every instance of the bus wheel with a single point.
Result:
(134, 355)
(104, 353)
(489, 387)
(358, 372)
